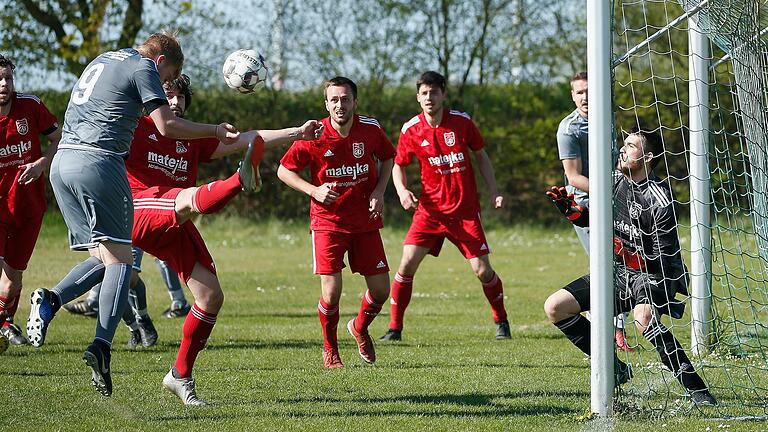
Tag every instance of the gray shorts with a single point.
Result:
(93, 194)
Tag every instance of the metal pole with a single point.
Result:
(600, 209)
(701, 198)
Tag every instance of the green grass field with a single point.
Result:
(262, 369)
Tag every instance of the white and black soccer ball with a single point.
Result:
(244, 70)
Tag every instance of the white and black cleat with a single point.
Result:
(98, 360)
(250, 178)
(184, 388)
(40, 315)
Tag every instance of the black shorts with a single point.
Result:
(631, 287)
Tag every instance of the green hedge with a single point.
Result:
(518, 122)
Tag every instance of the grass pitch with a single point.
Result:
(262, 369)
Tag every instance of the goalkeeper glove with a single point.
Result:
(632, 260)
(564, 202)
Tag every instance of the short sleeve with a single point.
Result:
(207, 148)
(46, 122)
(475, 141)
(384, 149)
(297, 157)
(404, 156)
(147, 81)
(567, 144)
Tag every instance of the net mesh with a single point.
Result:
(651, 92)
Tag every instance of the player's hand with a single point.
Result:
(30, 172)
(497, 201)
(310, 130)
(325, 194)
(568, 206)
(227, 134)
(376, 204)
(408, 200)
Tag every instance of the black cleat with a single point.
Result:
(148, 331)
(134, 340)
(177, 311)
(12, 332)
(98, 361)
(702, 398)
(503, 331)
(391, 336)
(83, 308)
(622, 372)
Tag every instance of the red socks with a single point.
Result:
(329, 320)
(197, 327)
(8, 306)
(368, 311)
(214, 196)
(402, 288)
(494, 292)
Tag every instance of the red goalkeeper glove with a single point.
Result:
(564, 202)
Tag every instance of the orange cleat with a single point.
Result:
(621, 341)
(364, 343)
(331, 359)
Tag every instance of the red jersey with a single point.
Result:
(155, 160)
(448, 185)
(20, 132)
(350, 162)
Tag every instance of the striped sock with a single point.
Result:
(368, 311)
(197, 328)
(576, 329)
(402, 289)
(494, 292)
(329, 321)
(215, 195)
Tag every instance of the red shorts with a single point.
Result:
(155, 230)
(365, 250)
(429, 232)
(17, 239)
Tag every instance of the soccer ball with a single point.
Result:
(244, 70)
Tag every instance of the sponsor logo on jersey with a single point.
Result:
(425, 143)
(450, 139)
(22, 127)
(449, 159)
(153, 137)
(358, 150)
(627, 229)
(329, 153)
(348, 171)
(634, 210)
(16, 149)
(168, 162)
(180, 148)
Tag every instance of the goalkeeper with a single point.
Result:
(649, 268)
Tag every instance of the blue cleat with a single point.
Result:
(40, 315)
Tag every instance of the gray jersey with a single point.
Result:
(573, 143)
(106, 102)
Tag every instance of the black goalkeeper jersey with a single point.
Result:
(644, 221)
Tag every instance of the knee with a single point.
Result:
(407, 268)
(552, 309)
(643, 317)
(484, 274)
(212, 300)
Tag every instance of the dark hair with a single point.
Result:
(6, 62)
(579, 76)
(164, 43)
(652, 143)
(340, 81)
(183, 85)
(431, 78)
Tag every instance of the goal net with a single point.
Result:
(655, 90)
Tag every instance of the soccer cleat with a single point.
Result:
(250, 178)
(622, 372)
(82, 307)
(364, 343)
(134, 340)
(98, 361)
(148, 331)
(3, 344)
(12, 332)
(392, 336)
(621, 341)
(40, 315)
(184, 388)
(331, 359)
(177, 310)
(702, 398)
(503, 331)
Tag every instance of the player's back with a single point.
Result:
(106, 101)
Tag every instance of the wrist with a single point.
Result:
(295, 133)
(216, 131)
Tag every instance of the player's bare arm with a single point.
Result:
(323, 194)
(407, 199)
(572, 168)
(486, 170)
(377, 196)
(33, 171)
(176, 127)
(272, 138)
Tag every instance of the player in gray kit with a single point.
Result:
(91, 186)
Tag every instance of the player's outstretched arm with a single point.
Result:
(565, 203)
(176, 127)
(486, 170)
(323, 194)
(407, 198)
(272, 138)
(32, 171)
